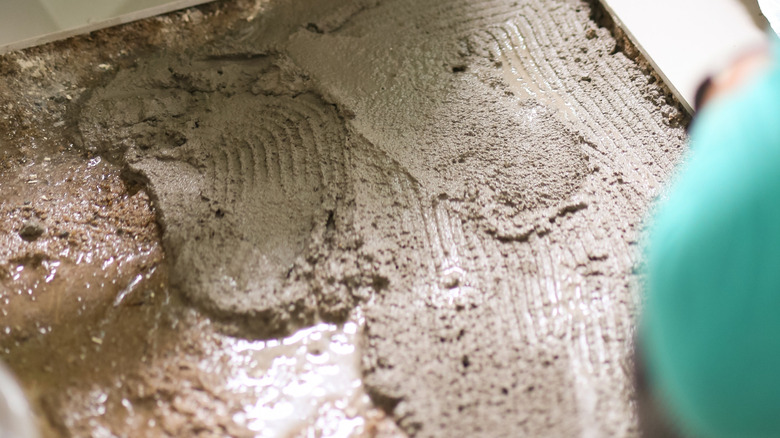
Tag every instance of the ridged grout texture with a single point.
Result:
(474, 174)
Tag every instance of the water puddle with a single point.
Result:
(305, 385)
(103, 348)
(525, 76)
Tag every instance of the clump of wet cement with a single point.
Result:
(473, 173)
(247, 165)
(249, 162)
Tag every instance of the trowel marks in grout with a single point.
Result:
(248, 169)
(335, 151)
(521, 237)
(251, 169)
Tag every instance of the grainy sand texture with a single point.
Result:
(469, 178)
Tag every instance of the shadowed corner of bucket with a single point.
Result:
(756, 15)
(707, 35)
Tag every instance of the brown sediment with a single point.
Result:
(471, 174)
(79, 294)
(90, 328)
(88, 323)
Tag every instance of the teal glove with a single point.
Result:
(710, 331)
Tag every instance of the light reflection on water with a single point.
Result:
(307, 384)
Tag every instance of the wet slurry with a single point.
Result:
(330, 218)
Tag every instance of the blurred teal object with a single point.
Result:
(710, 331)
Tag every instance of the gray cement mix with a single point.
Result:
(473, 174)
